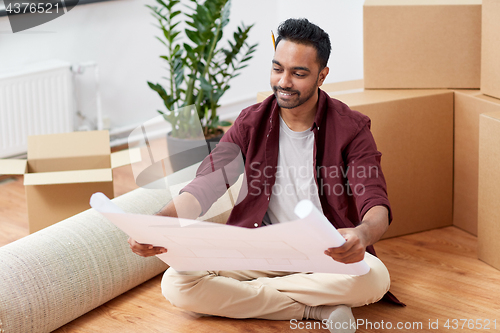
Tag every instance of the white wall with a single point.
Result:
(119, 36)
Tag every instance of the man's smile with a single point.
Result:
(286, 93)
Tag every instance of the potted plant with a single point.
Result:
(199, 69)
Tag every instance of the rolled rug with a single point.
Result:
(57, 274)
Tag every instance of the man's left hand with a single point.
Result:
(353, 250)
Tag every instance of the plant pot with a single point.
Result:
(186, 152)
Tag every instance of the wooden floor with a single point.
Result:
(436, 273)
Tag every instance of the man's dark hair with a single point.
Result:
(304, 32)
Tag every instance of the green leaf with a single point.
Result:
(193, 36)
(161, 41)
(179, 77)
(162, 3)
(172, 27)
(246, 59)
(190, 8)
(200, 27)
(226, 11)
(250, 52)
(205, 85)
(174, 35)
(174, 14)
(188, 48)
(203, 14)
(158, 88)
(218, 95)
(224, 123)
(201, 67)
(176, 50)
(178, 65)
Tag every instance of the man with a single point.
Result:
(298, 128)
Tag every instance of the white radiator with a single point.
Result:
(36, 100)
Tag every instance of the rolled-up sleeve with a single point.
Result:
(218, 171)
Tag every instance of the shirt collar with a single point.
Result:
(322, 103)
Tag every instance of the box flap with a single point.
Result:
(69, 163)
(492, 115)
(13, 167)
(488, 99)
(65, 145)
(421, 2)
(125, 157)
(467, 92)
(69, 177)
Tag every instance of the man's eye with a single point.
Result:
(277, 69)
(299, 75)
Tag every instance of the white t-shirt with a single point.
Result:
(294, 175)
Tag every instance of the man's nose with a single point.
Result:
(285, 81)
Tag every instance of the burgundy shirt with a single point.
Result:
(346, 164)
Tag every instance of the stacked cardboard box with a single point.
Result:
(468, 108)
(490, 49)
(414, 44)
(411, 45)
(422, 43)
(489, 139)
(489, 189)
(413, 130)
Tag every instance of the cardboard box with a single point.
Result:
(340, 87)
(414, 131)
(490, 48)
(489, 189)
(62, 172)
(422, 43)
(469, 105)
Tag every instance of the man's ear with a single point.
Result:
(322, 76)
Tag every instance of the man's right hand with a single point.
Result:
(145, 250)
(185, 205)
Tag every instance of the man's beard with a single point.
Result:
(297, 99)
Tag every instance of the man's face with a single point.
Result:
(295, 75)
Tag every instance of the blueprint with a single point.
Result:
(295, 246)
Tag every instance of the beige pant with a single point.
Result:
(270, 294)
